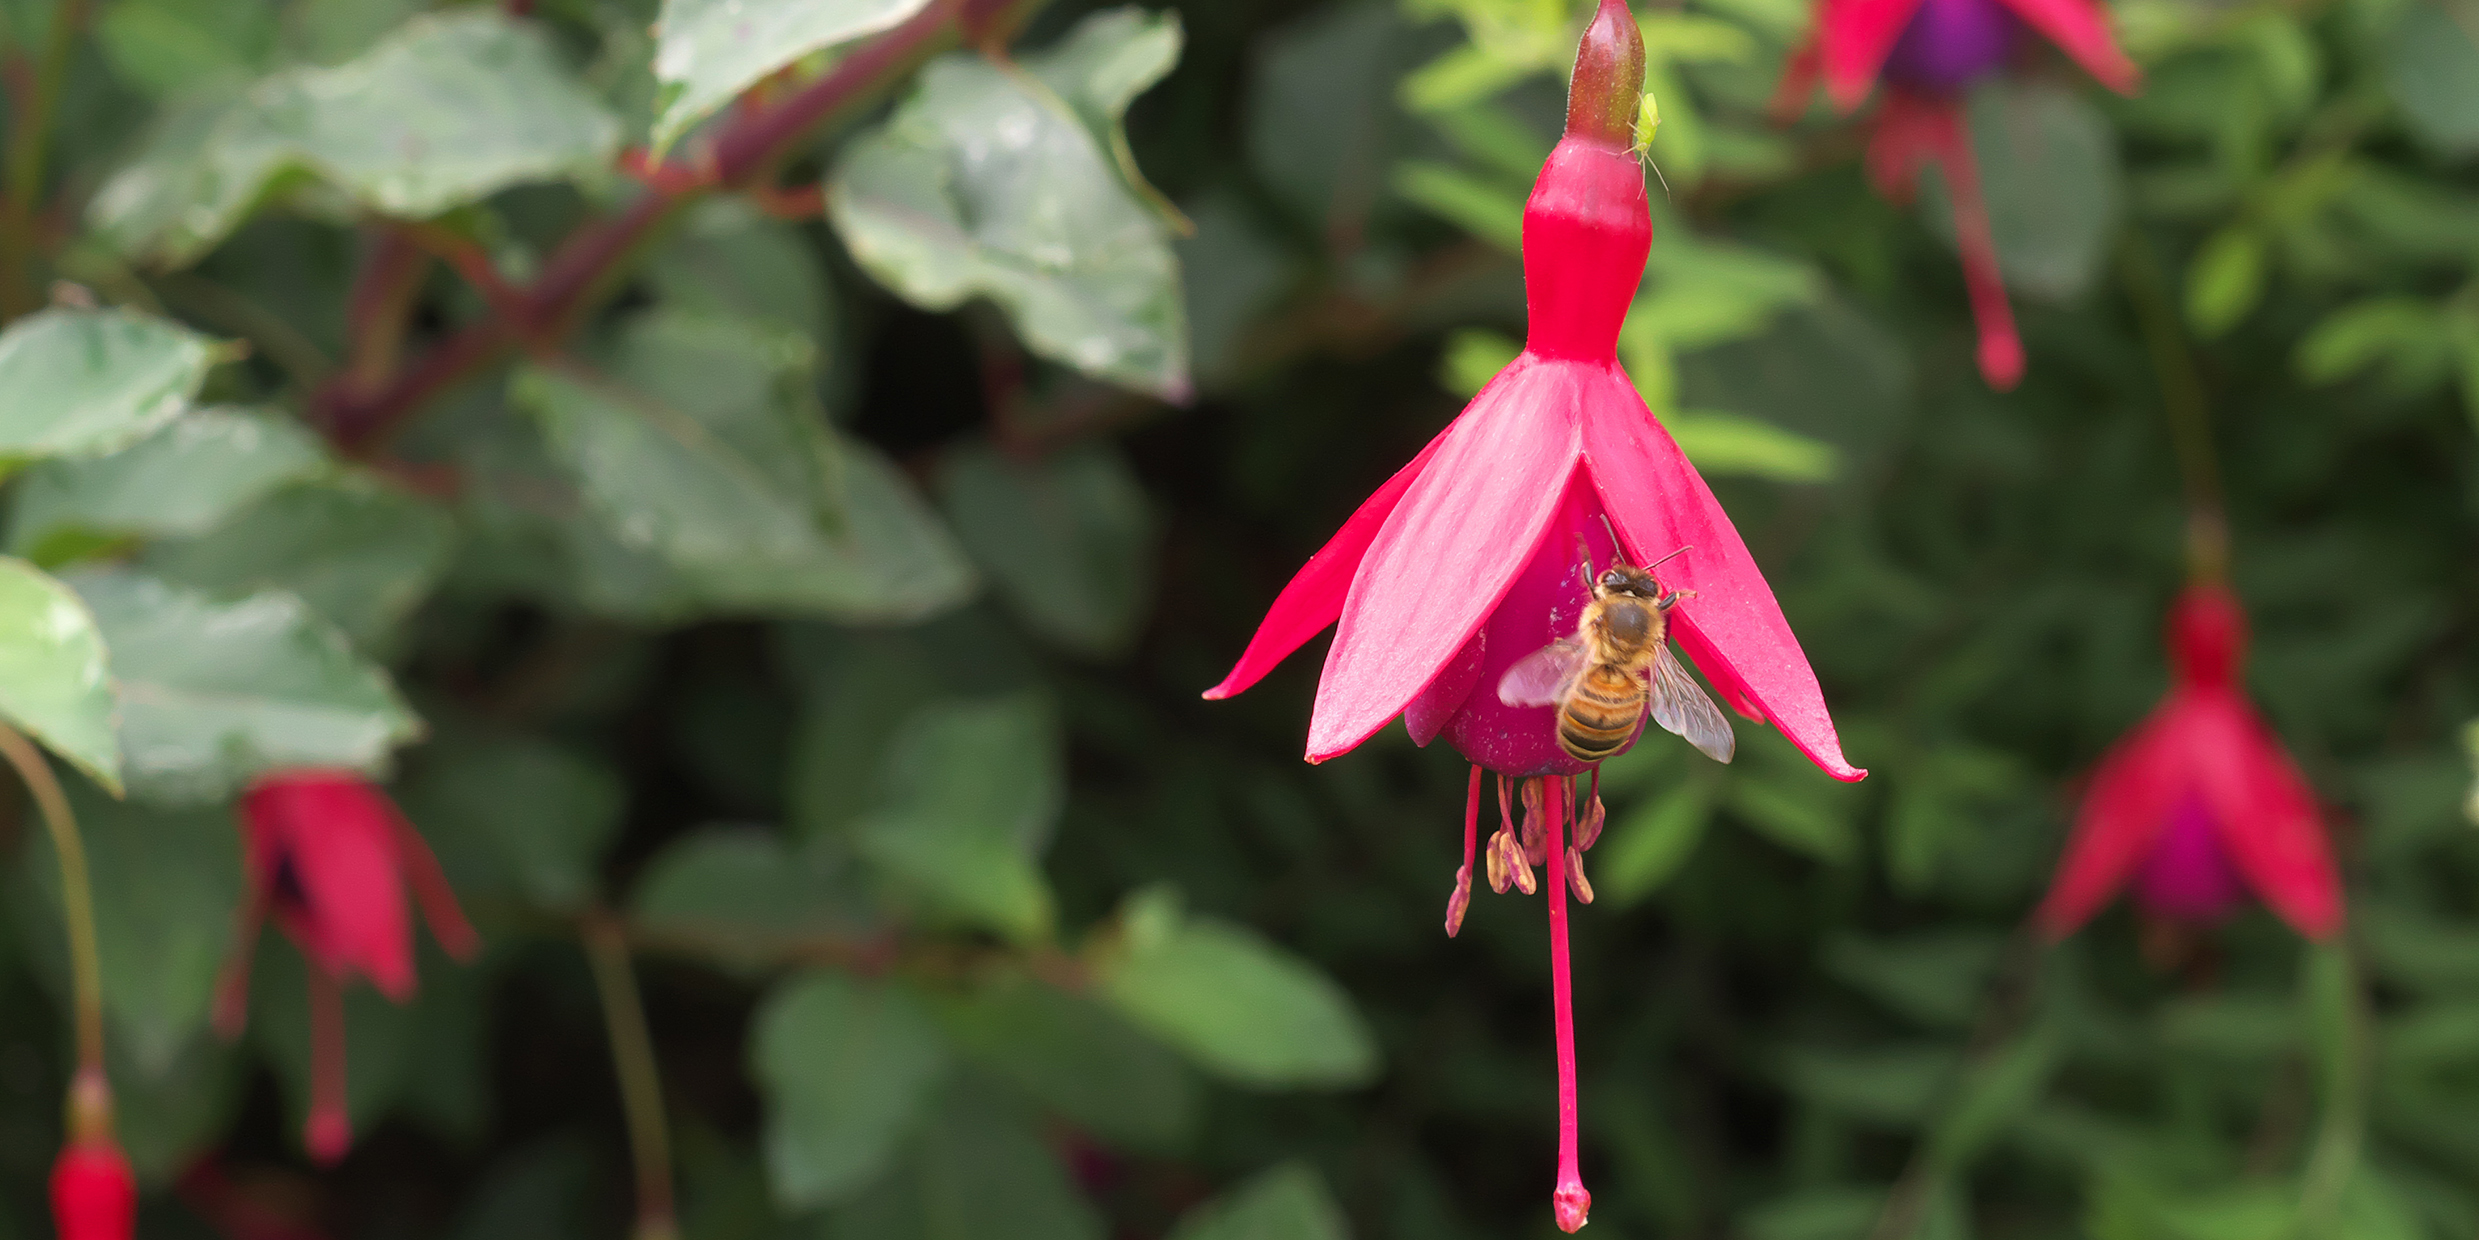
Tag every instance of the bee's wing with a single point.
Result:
(1541, 677)
(1682, 706)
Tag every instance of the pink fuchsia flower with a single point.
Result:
(94, 1196)
(2199, 805)
(1468, 559)
(1929, 53)
(329, 855)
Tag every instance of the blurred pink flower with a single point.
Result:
(2199, 805)
(329, 855)
(1929, 53)
(1467, 559)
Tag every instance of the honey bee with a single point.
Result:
(1619, 660)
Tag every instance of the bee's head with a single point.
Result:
(1630, 583)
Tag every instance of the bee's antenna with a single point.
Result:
(1667, 558)
(1618, 551)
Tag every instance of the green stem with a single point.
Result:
(77, 899)
(2183, 404)
(641, 1081)
(29, 141)
(2333, 1160)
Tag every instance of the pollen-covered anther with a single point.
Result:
(1537, 809)
(1588, 827)
(1575, 875)
(1460, 900)
(1507, 867)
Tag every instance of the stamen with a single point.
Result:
(232, 988)
(1569, 1200)
(1462, 898)
(1588, 825)
(1536, 791)
(2001, 349)
(329, 1132)
(1575, 875)
(1507, 863)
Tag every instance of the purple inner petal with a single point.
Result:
(2189, 876)
(1950, 44)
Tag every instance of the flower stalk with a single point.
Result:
(77, 899)
(640, 1076)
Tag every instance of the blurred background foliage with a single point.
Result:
(817, 587)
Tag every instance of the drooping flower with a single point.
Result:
(1930, 53)
(94, 1196)
(330, 856)
(1471, 557)
(2199, 806)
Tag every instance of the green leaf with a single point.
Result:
(165, 1117)
(737, 896)
(979, 1169)
(165, 885)
(847, 1068)
(1726, 443)
(183, 479)
(168, 46)
(1799, 816)
(448, 110)
(1235, 1004)
(361, 552)
(2431, 64)
(515, 815)
(989, 183)
(212, 693)
(1488, 209)
(1934, 977)
(2226, 282)
(727, 261)
(2406, 333)
(1472, 358)
(706, 449)
(1997, 1088)
(53, 684)
(1650, 842)
(1076, 1058)
(973, 791)
(1068, 538)
(706, 52)
(88, 382)
(1887, 1084)
(1289, 1202)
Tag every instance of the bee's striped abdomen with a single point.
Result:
(1600, 713)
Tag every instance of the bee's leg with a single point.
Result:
(1673, 599)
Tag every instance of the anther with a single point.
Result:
(1461, 899)
(1575, 876)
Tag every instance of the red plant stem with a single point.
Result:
(329, 1132)
(1570, 1201)
(587, 265)
(376, 310)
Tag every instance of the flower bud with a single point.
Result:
(94, 1196)
(1608, 85)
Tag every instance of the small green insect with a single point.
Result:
(1648, 123)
